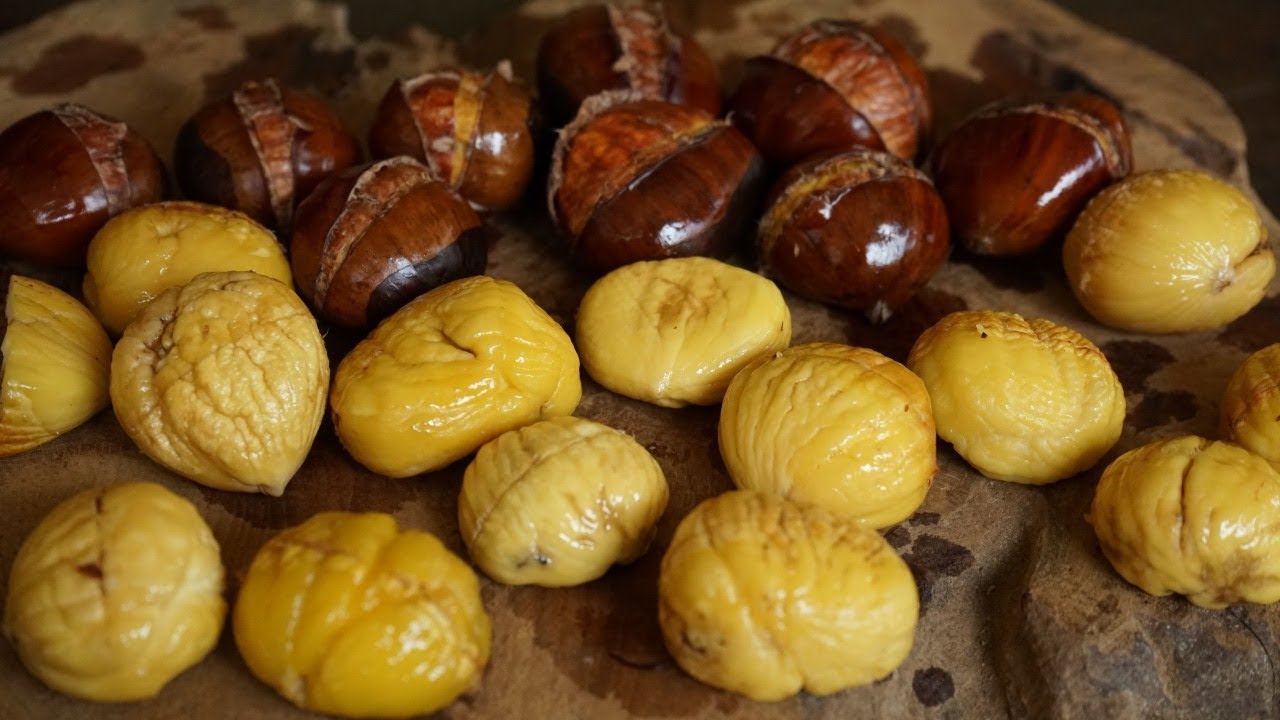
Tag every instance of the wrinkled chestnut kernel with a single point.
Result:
(638, 179)
(1015, 176)
(615, 47)
(63, 173)
(261, 151)
(373, 237)
(862, 229)
(473, 130)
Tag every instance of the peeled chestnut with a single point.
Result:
(638, 179)
(261, 151)
(473, 130)
(862, 230)
(63, 173)
(1014, 176)
(615, 47)
(373, 237)
(833, 85)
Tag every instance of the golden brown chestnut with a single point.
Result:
(63, 173)
(1015, 176)
(639, 179)
(473, 130)
(373, 237)
(861, 229)
(617, 47)
(262, 150)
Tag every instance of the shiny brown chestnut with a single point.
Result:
(261, 151)
(472, 129)
(1014, 176)
(63, 173)
(639, 179)
(615, 47)
(860, 229)
(373, 237)
(831, 86)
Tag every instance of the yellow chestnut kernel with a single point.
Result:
(54, 360)
(1250, 410)
(223, 381)
(841, 427)
(349, 615)
(1194, 517)
(558, 502)
(141, 253)
(675, 332)
(1168, 251)
(1025, 401)
(766, 597)
(115, 592)
(449, 372)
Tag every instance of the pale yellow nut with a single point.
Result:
(141, 253)
(675, 332)
(1193, 517)
(449, 372)
(1026, 401)
(54, 360)
(842, 427)
(766, 597)
(223, 381)
(1250, 410)
(115, 592)
(347, 614)
(558, 502)
(1168, 251)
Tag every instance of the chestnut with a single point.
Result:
(261, 151)
(63, 173)
(1013, 176)
(373, 237)
(614, 47)
(473, 130)
(830, 86)
(860, 229)
(640, 179)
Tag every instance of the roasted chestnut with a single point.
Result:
(640, 179)
(473, 131)
(615, 47)
(261, 151)
(1014, 176)
(861, 229)
(373, 237)
(63, 173)
(831, 86)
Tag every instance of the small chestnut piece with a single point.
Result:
(616, 47)
(261, 151)
(63, 173)
(373, 237)
(639, 179)
(473, 130)
(831, 86)
(1015, 176)
(861, 229)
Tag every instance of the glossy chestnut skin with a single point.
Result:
(261, 151)
(611, 47)
(1014, 177)
(373, 237)
(860, 229)
(473, 130)
(63, 173)
(638, 179)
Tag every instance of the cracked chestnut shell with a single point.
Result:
(63, 173)
(262, 150)
(638, 179)
(374, 237)
(1015, 176)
